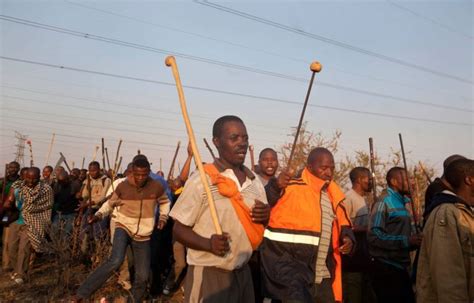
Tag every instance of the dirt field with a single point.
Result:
(44, 286)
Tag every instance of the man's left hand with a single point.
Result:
(347, 245)
(161, 224)
(260, 212)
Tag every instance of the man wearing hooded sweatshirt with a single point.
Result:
(445, 266)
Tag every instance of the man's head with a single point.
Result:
(47, 171)
(397, 180)
(75, 172)
(460, 174)
(58, 170)
(360, 178)
(63, 178)
(268, 162)
(229, 135)
(32, 176)
(129, 170)
(320, 163)
(23, 173)
(141, 171)
(13, 168)
(450, 160)
(94, 170)
(83, 175)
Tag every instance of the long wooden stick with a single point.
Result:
(423, 170)
(115, 170)
(60, 160)
(107, 158)
(119, 164)
(315, 67)
(170, 173)
(408, 183)
(65, 162)
(83, 162)
(252, 158)
(50, 149)
(416, 193)
(4, 183)
(103, 154)
(372, 168)
(171, 62)
(210, 149)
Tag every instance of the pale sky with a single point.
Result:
(389, 67)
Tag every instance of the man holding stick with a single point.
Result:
(355, 268)
(218, 270)
(307, 233)
(391, 237)
(99, 184)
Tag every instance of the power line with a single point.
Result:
(334, 42)
(207, 118)
(263, 51)
(102, 126)
(220, 63)
(96, 139)
(429, 20)
(97, 120)
(239, 94)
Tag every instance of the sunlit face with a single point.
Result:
(232, 144)
(365, 181)
(13, 169)
(140, 175)
(47, 172)
(323, 167)
(83, 175)
(94, 171)
(32, 178)
(268, 163)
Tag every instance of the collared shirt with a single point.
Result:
(192, 210)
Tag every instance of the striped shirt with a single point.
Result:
(327, 217)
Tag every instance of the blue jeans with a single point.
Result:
(141, 257)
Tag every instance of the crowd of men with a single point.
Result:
(286, 236)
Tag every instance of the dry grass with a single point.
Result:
(55, 276)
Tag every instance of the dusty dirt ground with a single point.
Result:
(44, 286)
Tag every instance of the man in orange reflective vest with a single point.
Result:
(306, 235)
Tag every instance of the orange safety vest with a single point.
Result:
(298, 213)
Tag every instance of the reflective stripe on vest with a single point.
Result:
(291, 238)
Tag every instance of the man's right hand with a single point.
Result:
(94, 218)
(82, 206)
(220, 244)
(415, 240)
(284, 178)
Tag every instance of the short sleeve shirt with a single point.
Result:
(192, 210)
(357, 208)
